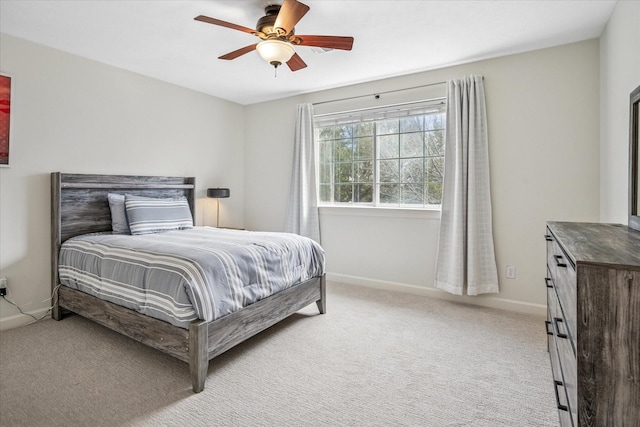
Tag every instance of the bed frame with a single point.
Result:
(79, 205)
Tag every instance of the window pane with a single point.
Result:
(343, 132)
(363, 148)
(363, 129)
(434, 171)
(388, 126)
(389, 171)
(325, 193)
(363, 193)
(411, 124)
(411, 144)
(411, 171)
(343, 172)
(343, 150)
(326, 133)
(389, 193)
(434, 193)
(412, 194)
(434, 121)
(434, 140)
(364, 171)
(344, 193)
(389, 146)
(325, 173)
(325, 151)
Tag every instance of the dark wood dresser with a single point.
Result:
(593, 322)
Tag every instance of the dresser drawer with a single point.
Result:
(568, 367)
(551, 261)
(563, 275)
(551, 340)
(565, 285)
(562, 400)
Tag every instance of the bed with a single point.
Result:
(79, 207)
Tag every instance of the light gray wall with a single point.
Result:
(620, 75)
(543, 113)
(79, 116)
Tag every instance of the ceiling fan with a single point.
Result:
(278, 38)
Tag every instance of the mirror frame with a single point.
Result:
(634, 173)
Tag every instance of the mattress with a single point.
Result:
(183, 275)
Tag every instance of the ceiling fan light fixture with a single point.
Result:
(275, 52)
(277, 31)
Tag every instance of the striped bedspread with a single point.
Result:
(179, 276)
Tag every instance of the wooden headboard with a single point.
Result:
(79, 203)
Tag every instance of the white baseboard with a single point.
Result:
(483, 300)
(17, 320)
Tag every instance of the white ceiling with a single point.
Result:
(159, 38)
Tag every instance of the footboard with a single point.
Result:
(231, 330)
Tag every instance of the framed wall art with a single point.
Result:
(6, 89)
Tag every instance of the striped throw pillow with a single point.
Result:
(147, 215)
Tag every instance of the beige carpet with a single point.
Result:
(375, 359)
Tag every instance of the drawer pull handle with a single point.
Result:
(555, 325)
(546, 327)
(548, 238)
(558, 263)
(546, 281)
(557, 383)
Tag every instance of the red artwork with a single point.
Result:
(5, 115)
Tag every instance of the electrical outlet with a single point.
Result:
(511, 272)
(3, 286)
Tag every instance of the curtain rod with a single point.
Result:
(403, 104)
(377, 94)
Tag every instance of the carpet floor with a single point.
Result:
(377, 358)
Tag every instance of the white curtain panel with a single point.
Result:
(466, 257)
(302, 211)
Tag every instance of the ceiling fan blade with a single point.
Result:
(214, 21)
(290, 13)
(239, 52)
(296, 63)
(331, 42)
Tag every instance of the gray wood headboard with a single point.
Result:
(79, 203)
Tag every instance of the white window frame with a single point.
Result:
(377, 114)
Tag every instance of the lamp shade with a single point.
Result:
(218, 193)
(275, 52)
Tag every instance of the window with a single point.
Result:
(391, 157)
